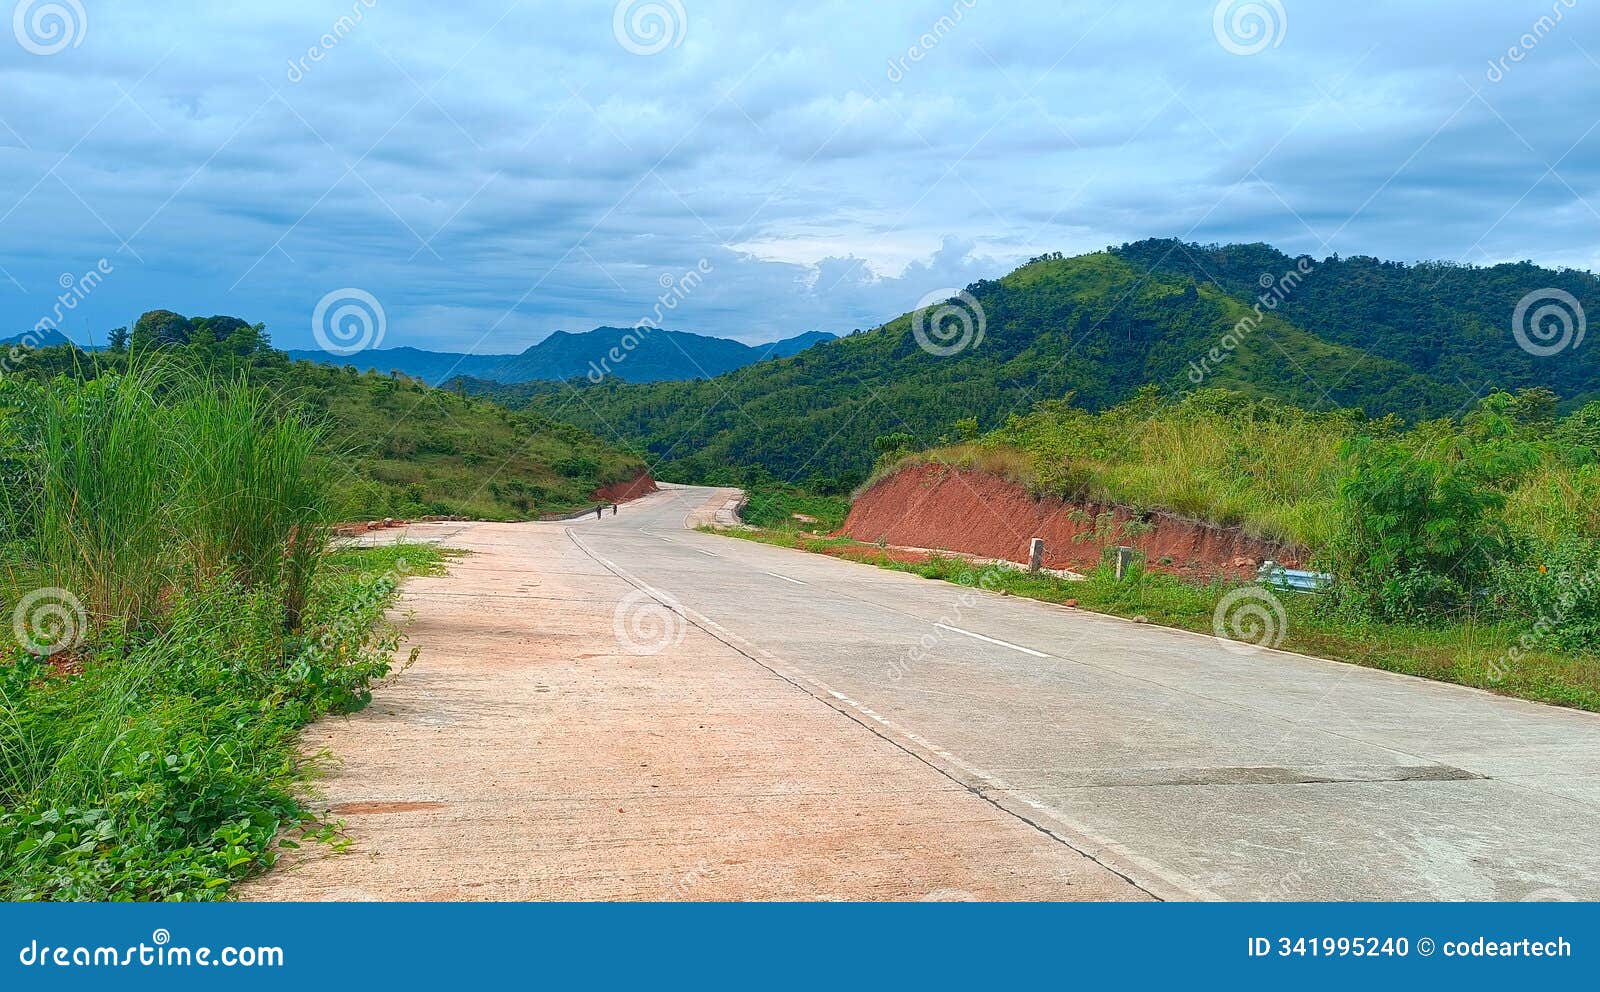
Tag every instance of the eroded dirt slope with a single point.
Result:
(933, 506)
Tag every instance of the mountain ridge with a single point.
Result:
(653, 356)
(1100, 327)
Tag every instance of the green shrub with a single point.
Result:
(168, 767)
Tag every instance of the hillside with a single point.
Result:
(1444, 320)
(402, 448)
(1097, 327)
(653, 356)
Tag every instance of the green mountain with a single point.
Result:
(1098, 327)
(646, 355)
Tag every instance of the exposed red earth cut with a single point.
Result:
(937, 506)
(620, 492)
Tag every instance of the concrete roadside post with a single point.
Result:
(1035, 554)
(1124, 561)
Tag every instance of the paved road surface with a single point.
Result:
(1192, 767)
(565, 737)
(801, 727)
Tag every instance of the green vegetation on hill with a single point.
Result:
(1447, 322)
(402, 449)
(1098, 327)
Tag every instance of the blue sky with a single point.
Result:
(493, 171)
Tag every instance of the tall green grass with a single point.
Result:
(92, 514)
(137, 486)
(254, 492)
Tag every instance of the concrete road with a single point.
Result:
(564, 736)
(1192, 768)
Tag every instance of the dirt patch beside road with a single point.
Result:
(935, 506)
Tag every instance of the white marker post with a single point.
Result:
(1035, 554)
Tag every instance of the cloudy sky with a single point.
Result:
(492, 171)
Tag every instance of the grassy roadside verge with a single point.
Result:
(1485, 656)
(787, 508)
(164, 766)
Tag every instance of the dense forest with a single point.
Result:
(1419, 342)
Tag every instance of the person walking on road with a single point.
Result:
(598, 510)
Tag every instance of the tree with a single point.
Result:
(160, 328)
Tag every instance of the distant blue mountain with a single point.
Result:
(46, 339)
(629, 354)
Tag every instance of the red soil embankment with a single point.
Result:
(620, 492)
(935, 506)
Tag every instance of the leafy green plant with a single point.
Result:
(168, 768)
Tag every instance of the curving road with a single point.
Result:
(1190, 767)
